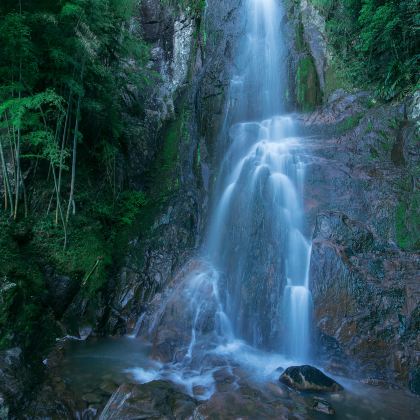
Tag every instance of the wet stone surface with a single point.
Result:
(309, 378)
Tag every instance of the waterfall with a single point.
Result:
(256, 234)
(247, 297)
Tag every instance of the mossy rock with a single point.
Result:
(308, 92)
(407, 222)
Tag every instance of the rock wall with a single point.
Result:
(307, 55)
(364, 265)
(192, 54)
(362, 201)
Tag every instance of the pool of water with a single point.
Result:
(93, 369)
(89, 362)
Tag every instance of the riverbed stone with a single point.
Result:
(414, 381)
(156, 399)
(323, 406)
(309, 378)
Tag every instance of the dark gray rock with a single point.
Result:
(323, 406)
(350, 234)
(414, 381)
(157, 400)
(13, 376)
(308, 378)
(155, 254)
(247, 402)
(61, 290)
(361, 179)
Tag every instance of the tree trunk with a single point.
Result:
(7, 191)
(73, 166)
(63, 143)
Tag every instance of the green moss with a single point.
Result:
(162, 178)
(373, 153)
(308, 92)
(407, 223)
(336, 77)
(369, 127)
(299, 38)
(194, 6)
(348, 123)
(387, 140)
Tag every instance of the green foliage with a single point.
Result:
(131, 202)
(193, 6)
(407, 223)
(54, 56)
(348, 123)
(25, 318)
(377, 39)
(300, 40)
(122, 211)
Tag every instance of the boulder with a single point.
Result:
(12, 377)
(309, 378)
(414, 381)
(156, 399)
(61, 290)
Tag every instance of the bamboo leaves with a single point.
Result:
(63, 68)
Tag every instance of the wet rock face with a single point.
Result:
(315, 35)
(414, 381)
(61, 290)
(308, 378)
(363, 271)
(223, 27)
(11, 380)
(194, 70)
(169, 32)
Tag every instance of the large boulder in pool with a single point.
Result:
(308, 378)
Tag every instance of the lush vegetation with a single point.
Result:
(64, 66)
(377, 40)
(72, 72)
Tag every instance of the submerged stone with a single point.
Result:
(414, 381)
(156, 399)
(309, 378)
(323, 406)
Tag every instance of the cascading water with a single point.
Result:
(248, 296)
(256, 235)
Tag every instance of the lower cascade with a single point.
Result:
(247, 297)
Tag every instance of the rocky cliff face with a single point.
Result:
(171, 153)
(362, 191)
(365, 261)
(192, 62)
(362, 199)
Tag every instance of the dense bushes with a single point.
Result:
(377, 40)
(64, 67)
